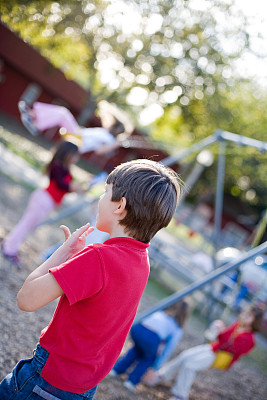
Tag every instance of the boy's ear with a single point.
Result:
(121, 208)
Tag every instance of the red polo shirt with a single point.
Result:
(102, 288)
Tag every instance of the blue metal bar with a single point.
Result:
(219, 195)
(190, 181)
(201, 282)
(194, 148)
(242, 140)
(228, 136)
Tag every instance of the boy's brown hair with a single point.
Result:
(151, 191)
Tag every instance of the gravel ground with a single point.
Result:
(20, 330)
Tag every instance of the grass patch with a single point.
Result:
(14, 179)
(154, 288)
(35, 155)
(257, 358)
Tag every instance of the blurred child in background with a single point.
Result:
(43, 201)
(232, 342)
(44, 116)
(155, 340)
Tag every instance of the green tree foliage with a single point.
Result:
(177, 51)
(239, 110)
(176, 54)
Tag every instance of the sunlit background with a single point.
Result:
(179, 69)
(166, 51)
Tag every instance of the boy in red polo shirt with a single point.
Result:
(99, 286)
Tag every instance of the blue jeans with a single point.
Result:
(25, 382)
(144, 352)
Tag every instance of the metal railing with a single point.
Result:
(201, 282)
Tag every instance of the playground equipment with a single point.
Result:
(212, 276)
(221, 137)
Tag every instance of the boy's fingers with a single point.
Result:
(89, 230)
(78, 232)
(81, 230)
(66, 231)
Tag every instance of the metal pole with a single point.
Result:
(217, 135)
(219, 195)
(201, 282)
(242, 140)
(260, 229)
(194, 148)
(190, 181)
(218, 217)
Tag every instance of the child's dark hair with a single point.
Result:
(62, 154)
(116, 128)
(179, 311)
(151, 191)
(258, 313)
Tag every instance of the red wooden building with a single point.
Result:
(24, 69)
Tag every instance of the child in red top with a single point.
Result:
(235, 340)
(238, 340)
(99, 286)
(43, 201)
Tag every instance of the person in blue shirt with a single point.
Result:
(155, 340)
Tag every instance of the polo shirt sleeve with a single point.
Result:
(80, 277)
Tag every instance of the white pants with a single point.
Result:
(40, 204)
(187, 363)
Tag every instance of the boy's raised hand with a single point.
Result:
(40, 288)
(76, 241)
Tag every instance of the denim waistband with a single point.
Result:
(40, 354)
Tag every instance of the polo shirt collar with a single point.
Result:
(124, 241)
